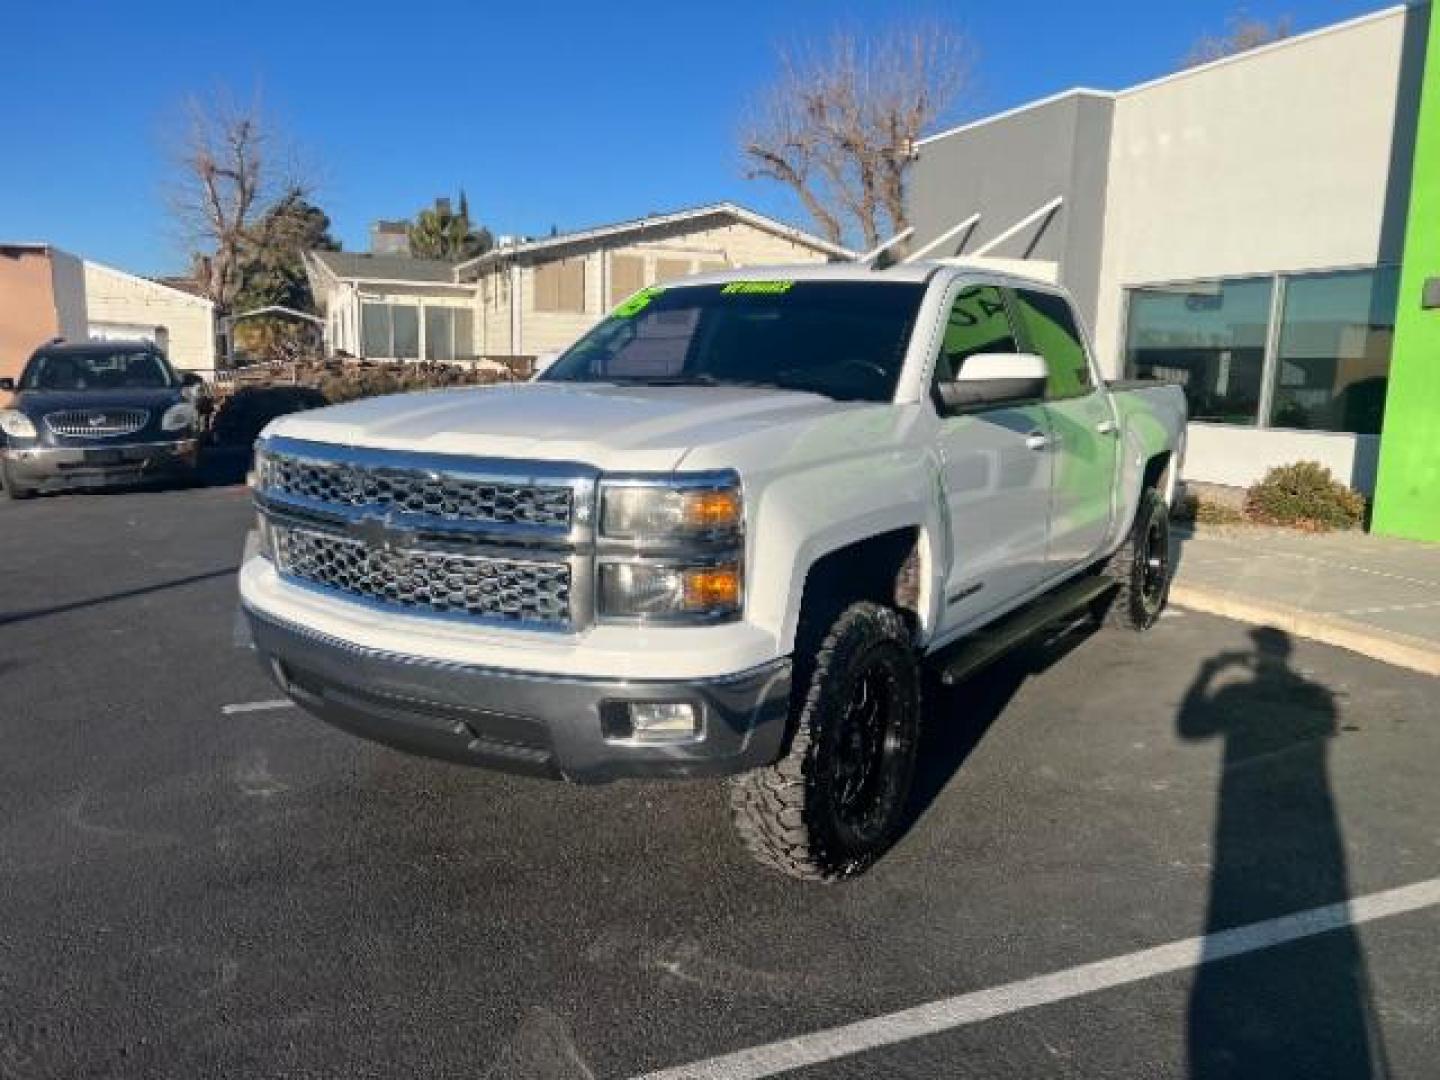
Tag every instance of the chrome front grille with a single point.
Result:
(445, 497)
(96, 423)
(510, 590)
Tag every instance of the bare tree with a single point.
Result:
(231, 175)
(838, 126)
(1242, 33)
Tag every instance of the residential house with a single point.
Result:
(529, 298)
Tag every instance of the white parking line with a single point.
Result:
(939, 1016)
(257, 706)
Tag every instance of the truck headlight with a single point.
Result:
(179, 417)
(16, 424)
(704, 507)
(668, 592)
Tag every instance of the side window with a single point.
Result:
(978, 323)
(1049, 328)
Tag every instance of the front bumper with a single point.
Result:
(51, 467)
(541, 725)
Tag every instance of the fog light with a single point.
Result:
(652, 721)
(660, 721)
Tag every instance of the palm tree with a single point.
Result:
(440, 232)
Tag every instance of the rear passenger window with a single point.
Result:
(1048, 326)
(978, 323)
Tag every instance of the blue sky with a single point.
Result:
(547, 113)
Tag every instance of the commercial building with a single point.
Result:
(1240, 227)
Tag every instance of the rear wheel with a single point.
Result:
(1142, 567)
(838, 799)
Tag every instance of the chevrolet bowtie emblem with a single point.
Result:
(378, 532)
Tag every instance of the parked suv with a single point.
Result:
(96, 414)
(722, 534)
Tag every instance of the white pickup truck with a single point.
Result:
(722, 534)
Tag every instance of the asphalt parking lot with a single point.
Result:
(187, 893)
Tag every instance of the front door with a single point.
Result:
(995, 472)
(1083, 433)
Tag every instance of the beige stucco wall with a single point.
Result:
(1308, 127)
(116, 299)
(735, 244)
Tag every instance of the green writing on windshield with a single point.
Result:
(637, 303)
(759, 288)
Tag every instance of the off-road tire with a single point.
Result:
(795, 816)
(1142, 586)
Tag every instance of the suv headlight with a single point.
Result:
(16, 424)
(179, 417)
(683, 538)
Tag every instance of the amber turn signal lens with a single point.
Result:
(712, 588)
(713, 509)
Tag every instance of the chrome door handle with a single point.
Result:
(1106, 427)
(1037, 440)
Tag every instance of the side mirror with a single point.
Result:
(189, 378)
(7, 383)
(987, 380)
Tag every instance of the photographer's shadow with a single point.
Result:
(1304, 1009)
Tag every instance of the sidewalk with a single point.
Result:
(1371, 594)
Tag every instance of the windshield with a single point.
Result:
(98, 370)
(843, 339)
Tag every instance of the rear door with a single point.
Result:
(1083, 432)
(995, 472)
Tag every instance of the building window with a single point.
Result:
(627, 276)
(448, 334)
(390, 331)
(1334, 350)
(1209, 337)
(670, 269)
(560, 285)
(1324, 360)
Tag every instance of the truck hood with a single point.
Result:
(611, 427)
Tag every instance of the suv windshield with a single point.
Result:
(843, 339)
(98, 369)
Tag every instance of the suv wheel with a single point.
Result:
(1142, 567)
(838, 798)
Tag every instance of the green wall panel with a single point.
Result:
(1407, 492)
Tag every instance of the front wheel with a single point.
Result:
(1141, 567)
(838, 799)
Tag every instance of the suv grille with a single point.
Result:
(414, 491)
(508, 590)
(97, 423)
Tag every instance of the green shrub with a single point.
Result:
(1304, 496)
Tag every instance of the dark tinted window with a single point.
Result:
(97, 369)
(843, 339)
(1207, 336)
(1049, 328)
(977, 323)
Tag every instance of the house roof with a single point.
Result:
(361, 266)
(654, 221)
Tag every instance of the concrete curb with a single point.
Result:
(1401, 650)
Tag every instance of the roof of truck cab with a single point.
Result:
(917, 272)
